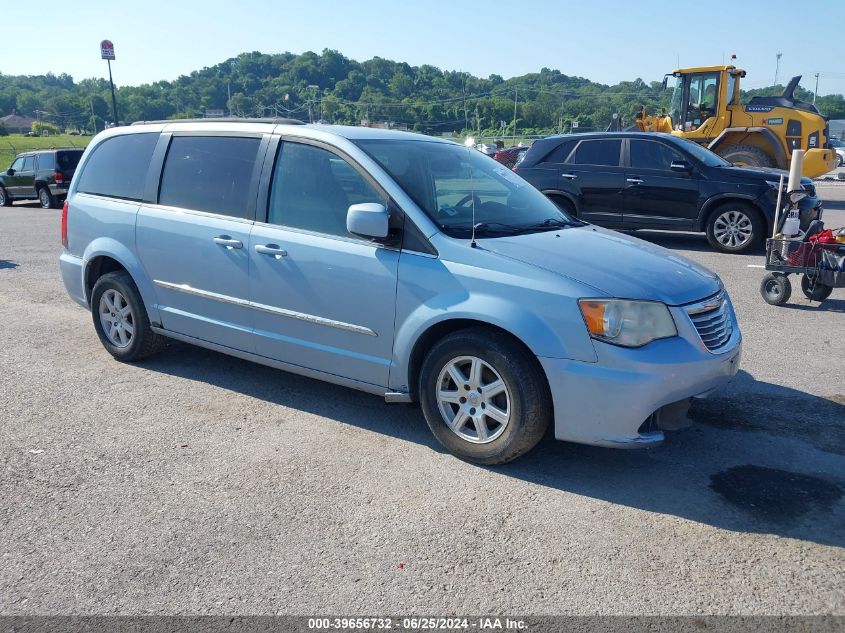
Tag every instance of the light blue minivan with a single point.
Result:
(398, 264)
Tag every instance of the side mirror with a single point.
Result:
(680, 165)
(10, 172)
(797, 196)
(369, 219)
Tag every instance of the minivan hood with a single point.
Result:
(614, 263)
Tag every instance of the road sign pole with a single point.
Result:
(113, 99)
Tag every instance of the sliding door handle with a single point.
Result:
(271, 249)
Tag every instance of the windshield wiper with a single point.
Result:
(548, 223)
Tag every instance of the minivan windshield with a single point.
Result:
(457, 186)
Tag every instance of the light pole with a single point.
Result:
(777, 66)
(816, 91)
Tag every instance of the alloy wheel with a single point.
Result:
(473, 399)
(733, 229)
(116, 318)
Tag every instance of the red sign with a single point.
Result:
(106, 49)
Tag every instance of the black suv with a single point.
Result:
(632, 180)
(43, 175)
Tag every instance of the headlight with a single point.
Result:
(627, 323)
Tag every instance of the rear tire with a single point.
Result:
(814, 291)
(506, 408)
(116, 304)
(5, 200)
(775, 289)
(45, 198)
(734, 227)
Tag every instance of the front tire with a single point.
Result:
(120, 318)
(775, 289)
(45, 198)
(484, 396)
(735, 228)
(746, 156)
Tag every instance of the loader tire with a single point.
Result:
(746, 156)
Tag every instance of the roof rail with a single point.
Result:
(278, 121)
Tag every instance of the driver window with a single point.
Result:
(18, 164)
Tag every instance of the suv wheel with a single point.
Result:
(5, 200)
(120, 318)
(734, 228)
(46, 198)
(484, 396)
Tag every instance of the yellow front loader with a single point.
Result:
(705, 108)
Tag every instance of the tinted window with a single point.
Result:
(68, 160)
(46, 161)
(598, 152)
(312, 189)
(28, 163)
(651, 155)
(118, 166)
(560, 153)
(209, 173)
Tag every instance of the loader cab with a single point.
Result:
(701, 97)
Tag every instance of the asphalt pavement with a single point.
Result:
(196, 483)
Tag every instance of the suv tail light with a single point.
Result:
(64, 224)
(60, 177)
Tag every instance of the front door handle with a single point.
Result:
(634, 181)
(228, 242)
(569, 176)
(271, 249)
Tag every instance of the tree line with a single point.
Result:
(334, 88)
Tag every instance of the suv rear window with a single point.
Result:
(118, 166)
(597, 152)
(209, 173)
(68, 160)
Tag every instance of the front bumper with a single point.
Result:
(607, 402)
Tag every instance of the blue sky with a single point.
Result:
(606, 41)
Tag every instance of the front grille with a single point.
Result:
(712, 321)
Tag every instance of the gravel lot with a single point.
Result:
(195, 483)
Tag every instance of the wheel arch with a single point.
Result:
(713, 203)
(439, 330)
(760, 137)
(557, 193)
(108, 255)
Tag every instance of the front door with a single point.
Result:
(13, 182)
(322, 298)
(655, 196)
(595, 170)
(194, 244)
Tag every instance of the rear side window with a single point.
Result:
(46, 161)
(652, 155)
(28, 163)
(560, 153)
(597, 152)
(118, 167)
(209, 173)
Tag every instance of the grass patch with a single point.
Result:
(14, 144)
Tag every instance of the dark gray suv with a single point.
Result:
(42, 175)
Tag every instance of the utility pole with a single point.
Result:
(816, 90)
(777, 66)
(313, 87)
(93, 117)
(515, 96)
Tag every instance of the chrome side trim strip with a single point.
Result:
(310, 318)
